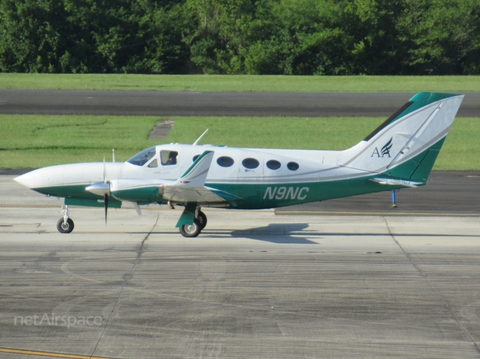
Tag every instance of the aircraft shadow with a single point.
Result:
(280, 233)
(298, 233)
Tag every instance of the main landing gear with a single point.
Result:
(194, 229)
(65, 224)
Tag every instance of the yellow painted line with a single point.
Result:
(48, 354)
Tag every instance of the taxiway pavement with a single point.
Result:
(253, 285)
(158, 103)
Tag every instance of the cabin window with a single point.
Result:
(250, 163)
(142, 157)
(274, 164)
(293, 166)
(169, 158)
(195, 158)
(153, 164)
(225, 161)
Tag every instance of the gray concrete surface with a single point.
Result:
(252, 285)
(158, 103)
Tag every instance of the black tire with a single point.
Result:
(191, 230)
(202, 219)
(66, 227)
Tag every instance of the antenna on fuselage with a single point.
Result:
(198, 139)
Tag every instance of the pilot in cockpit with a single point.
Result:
(172, 158)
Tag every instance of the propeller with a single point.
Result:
(105, 200)
(102, 189)
(106, 183)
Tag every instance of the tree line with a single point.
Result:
(289, 37)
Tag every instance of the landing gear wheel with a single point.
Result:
(202, 219)
(65, 227)
(191, 230)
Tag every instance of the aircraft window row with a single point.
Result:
(168, 158)
(252, 163)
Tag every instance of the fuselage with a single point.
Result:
(263, 178)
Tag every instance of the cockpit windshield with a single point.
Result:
(142, 157)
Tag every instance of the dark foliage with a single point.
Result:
(301, 37)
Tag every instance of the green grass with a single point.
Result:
(456, 84)
(29, 141)
(35, 141)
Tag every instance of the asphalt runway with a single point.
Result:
(254, 284)
(157, 103)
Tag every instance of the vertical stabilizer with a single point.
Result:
(407, 144)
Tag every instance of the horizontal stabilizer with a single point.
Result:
(397, 182)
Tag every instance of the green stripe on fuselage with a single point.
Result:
(77, 191)
(258, 196)
(143, 194)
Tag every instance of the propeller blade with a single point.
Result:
(105, 200)
(104, 171)
(106, 183)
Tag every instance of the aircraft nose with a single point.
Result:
(42, 177)
(27, 179)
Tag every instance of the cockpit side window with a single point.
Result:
(169, 158)
(153, 164)
(142, 157)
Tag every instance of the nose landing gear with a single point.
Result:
(65, 224)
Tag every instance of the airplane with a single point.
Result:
(400, 153)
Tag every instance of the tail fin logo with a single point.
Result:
(385, 151)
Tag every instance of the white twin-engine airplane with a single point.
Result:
(400, 153)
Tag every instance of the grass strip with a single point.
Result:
(241, 83)
(31, 141)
